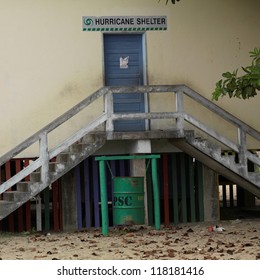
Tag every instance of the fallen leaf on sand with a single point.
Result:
(40, 257)
(248, 244)
(230, 252)
(171, 253)
(207, 257)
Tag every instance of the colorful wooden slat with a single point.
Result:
(192, 189)
(183, 189)
(166, 189)
(96, 192)
(231, 192)
(55, 210)
(149, 195)
(224, 193)
(28, 224)
(122, 169)
(7, 177)
(60, 204)
(78, 196)
(46, 197)
(175, 189)
(87, 198)
(200, 191)
(113, 170)
(20, 209)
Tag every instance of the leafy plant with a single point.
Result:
(245, 86)
(172, 1)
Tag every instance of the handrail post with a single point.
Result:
(242, 151)
(109, 109)
(180, 110)
(44, 156)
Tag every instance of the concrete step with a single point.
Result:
(23, 186)
(5, 208)
(78, 148)
(207, 147)
(35, 176)
(89, 138)
(65, 157)
(255, 177)
(52, 167)
(15, 196)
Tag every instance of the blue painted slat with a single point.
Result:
(87, 193)
(78, 187)
(96, 192)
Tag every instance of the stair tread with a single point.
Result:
(6, 202)
(14, 192)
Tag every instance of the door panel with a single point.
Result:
(125, 46)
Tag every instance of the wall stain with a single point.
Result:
(70, 89)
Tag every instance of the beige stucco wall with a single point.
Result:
(48, 64)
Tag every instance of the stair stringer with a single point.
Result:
(210, 155)
(32, 189)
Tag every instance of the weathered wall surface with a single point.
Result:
(48, 64)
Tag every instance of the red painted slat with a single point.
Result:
(20, 209)
(7, 177)
(60, 205)
(55, 206)
(28, 224)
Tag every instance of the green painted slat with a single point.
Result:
(192, 190)
(183, 190)
(150, 196)
(175, 189)
(200, 191)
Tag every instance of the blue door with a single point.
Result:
(124, 67)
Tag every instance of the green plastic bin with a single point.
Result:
(128, 204)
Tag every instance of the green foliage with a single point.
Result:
(245, 86)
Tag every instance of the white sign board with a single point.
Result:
(124, 23)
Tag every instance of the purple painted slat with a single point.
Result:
(96, 192)
(122, 168)
(87, 193)
(113, 168)
(78, 186)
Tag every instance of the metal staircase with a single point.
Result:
(53, 163)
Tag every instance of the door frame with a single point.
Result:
(144, 61)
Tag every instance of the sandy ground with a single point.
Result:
(240, 240)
